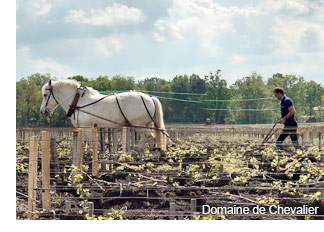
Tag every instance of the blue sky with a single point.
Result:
(164, 38)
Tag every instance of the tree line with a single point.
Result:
(188, 99)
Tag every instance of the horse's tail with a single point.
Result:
(158, 119)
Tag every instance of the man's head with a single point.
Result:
(278, 92)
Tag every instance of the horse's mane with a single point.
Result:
(67, 82)
(73, 83)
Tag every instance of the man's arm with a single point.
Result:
(289, 115)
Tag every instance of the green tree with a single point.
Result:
(251, 87)
(314, 99)
(216, 89)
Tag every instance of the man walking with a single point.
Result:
(287, 118)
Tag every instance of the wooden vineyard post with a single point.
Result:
(95, 151)
(91, 209)
(102, 142)
(23, 137)
(109, 140)
(307, 138)
(193, 207)
(80, 148)
(125, 139)
(32, 176)
(319, 140)
(132, 139)
(75, 149)
(20, 135)
(114, 147)
(303, 139)
(54, 158)
(68, 206)
(128, 139)
(115, 143)
(46, 159)
(172, 211)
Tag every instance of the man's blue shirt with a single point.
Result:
(286, 102)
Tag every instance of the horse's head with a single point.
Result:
(49, 102)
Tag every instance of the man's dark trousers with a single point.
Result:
(290, 129)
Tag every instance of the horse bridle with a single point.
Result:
(49, 96)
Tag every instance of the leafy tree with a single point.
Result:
(216, 89)
(314, 98)
(251, 87)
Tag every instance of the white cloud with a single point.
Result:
(40, 7)
(199, 36)
(107, 46)
(49, 65)
(114, 15)
(282, 27)
(287, 7)
(201, 20)
(45, 65)
(238, 58)
(158, 37)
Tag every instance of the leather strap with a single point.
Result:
(127, 122)
(148, 110)
(73, 105)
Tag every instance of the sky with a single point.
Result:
(165, 38)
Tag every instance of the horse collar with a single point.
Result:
(73, 106)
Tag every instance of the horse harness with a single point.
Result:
(74, 107)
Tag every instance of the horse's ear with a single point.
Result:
(50, 82)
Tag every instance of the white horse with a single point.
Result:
(63, 92)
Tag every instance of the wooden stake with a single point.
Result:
(124, 131)
(95, 151)
(46, 159)
(193, 207)
(132, 138)
(102, 140)
(32, 176)
(68, 207)
(115, 143)
(54, 157)
(303, 139)
(109, 140)
(75, 149)
(91, 208)
(128, 139)
(23, 137)
(319, 140)
(172, 211)
(80, 148)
